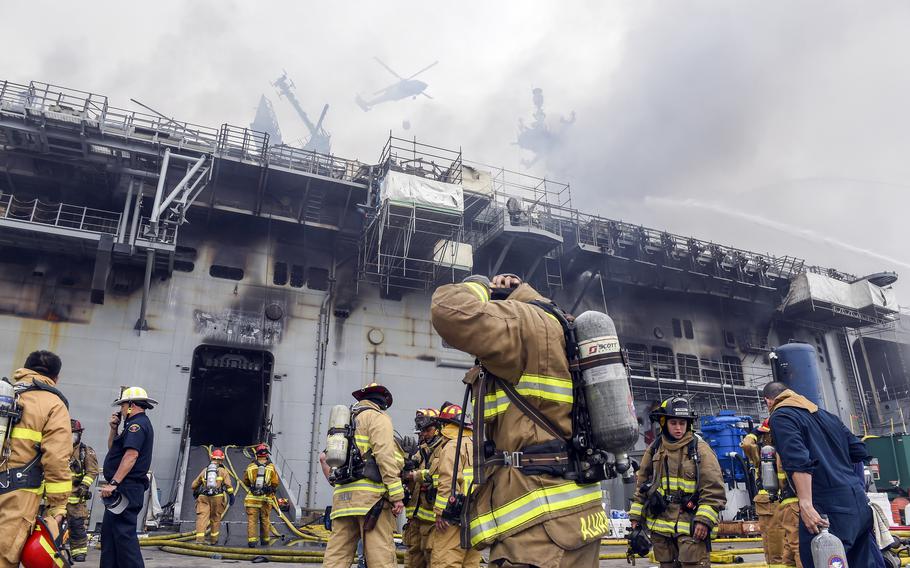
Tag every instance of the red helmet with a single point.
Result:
(262, 450)
(374, 388)
(41, 551)
(76, 425)
(452, 414)
(217, 454)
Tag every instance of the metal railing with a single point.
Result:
(59, 215)
(288, 476)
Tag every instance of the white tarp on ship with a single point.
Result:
(405, 188)
(861, 295)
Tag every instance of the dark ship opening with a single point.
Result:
(229, 395)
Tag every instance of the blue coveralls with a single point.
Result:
(818, 443)
(119, 543)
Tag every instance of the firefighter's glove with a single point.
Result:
(231, 499)
(639, 543)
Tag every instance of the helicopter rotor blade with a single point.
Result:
(422, 70)
(426, 95)
(389, 69)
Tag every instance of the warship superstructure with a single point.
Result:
(250, 285)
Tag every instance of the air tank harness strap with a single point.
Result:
(29, 476)
(548, 458)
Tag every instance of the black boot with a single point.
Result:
(79, 558)
(263, 542)
(251, 545)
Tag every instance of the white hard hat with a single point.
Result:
(134, 394)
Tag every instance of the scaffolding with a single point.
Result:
(408, 244)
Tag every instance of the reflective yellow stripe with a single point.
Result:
(789, 500)
(479, 290)
(410, 511)
(363, 443)
(552, 389)
(440, 503)
(58, 487)
(77, 551)
(487, 527)
(546, 388)
(707, 512)
(349, 512)
(21, 433)
(45, 544)
(426, 514)
(676, 484)
(74, 500)
(436, 480)
(635, 509)
(88, 480)
(361, 485)
(395, 488)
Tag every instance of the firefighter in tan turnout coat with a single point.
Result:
(45, 421)
(419, 510)
(366, 507)
(525, 517)
(445, 541)
(261, 481)
(84, 467)
(213, 492)
(679, 492)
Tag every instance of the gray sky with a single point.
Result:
(779, 127)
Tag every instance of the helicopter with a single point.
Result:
(404, 88)
(538, 138)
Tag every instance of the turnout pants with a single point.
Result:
(18, 510)
(76, 518)
(417, 554)
(209, 510)
(685, 551)
(447, 552)
(258, 522)
(850, 516)
(378, 546)
(119, 543)
(772, 536)
(535, 547)
(789, 523)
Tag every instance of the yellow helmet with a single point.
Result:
(134, 394)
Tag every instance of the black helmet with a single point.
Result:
(639, 543)
(673, 407)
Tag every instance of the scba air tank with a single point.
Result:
(211, 476)
(606, 384)
(827, 550)
(260, 478)
(768, 469)
(7, 405)
(336, 446)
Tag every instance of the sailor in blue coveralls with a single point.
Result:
(126, 468)
(818, 453)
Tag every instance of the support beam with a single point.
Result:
(502, 256)
(142, 323)
(124, 220)
(102, 268)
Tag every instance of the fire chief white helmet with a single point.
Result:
(134, 394)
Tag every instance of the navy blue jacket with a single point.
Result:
(817, 443)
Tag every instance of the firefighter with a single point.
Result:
(84, 467)
(679, 491)
(126, 467)
(45, 420)
(261, 481)
(213, 490)
(419, 510)
(521, 348)
(367, 499)
(777, 510)
(445, 541)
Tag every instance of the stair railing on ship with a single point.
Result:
(289, 478)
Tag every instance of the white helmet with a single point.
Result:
(134, 394)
